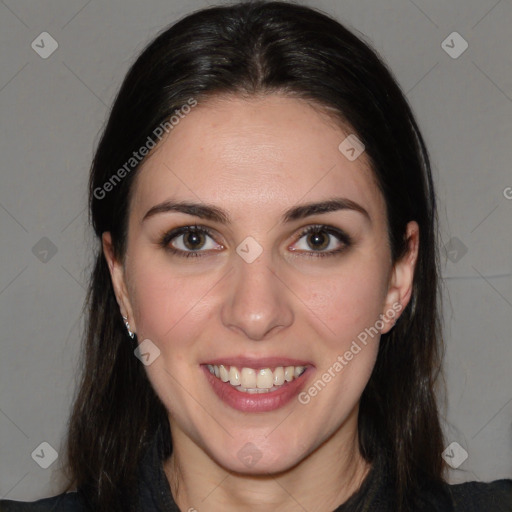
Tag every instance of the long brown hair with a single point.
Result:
(259, 48)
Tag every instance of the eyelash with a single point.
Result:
(337, 233)
(169, 236)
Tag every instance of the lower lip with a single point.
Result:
(256, 402)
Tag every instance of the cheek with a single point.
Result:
(168, 307)
(345, 311)
(346, 301)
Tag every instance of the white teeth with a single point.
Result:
(253, 381)
(248, 378)
(279, 376)
(289, 373)
(234, 376)
(224, 374)
(265, 379)
(298, 371)
(253, 391)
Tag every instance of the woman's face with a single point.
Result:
(255, 299)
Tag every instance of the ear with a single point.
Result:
(401, 280)
(117, 275)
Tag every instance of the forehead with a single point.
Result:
(244, 154)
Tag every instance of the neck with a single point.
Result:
(321, 482)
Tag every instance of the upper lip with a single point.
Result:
(257, 363)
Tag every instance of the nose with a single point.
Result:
(258, 303)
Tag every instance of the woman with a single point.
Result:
(265, 214)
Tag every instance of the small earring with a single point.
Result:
(130, 333)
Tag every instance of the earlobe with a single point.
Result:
(402, 278)
(117, 276)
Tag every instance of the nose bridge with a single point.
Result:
(257, 301)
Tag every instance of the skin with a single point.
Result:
(255, 158)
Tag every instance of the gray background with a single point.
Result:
(52, 111)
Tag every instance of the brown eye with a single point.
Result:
(193, 240)
(318, 240)
(190, 241)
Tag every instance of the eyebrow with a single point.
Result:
(213, 213)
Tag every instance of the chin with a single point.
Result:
(252, 460)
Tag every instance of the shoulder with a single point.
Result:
(478, 496)
(66, 502)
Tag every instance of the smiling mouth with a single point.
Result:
(256, 381)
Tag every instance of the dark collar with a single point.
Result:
(376, 493)
(154, 491)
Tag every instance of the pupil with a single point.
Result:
(318, 240)
(193, 240)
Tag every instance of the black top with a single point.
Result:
(374, 495)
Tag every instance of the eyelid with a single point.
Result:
(169, 236)
(339, 234)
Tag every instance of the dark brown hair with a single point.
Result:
(247, 49)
